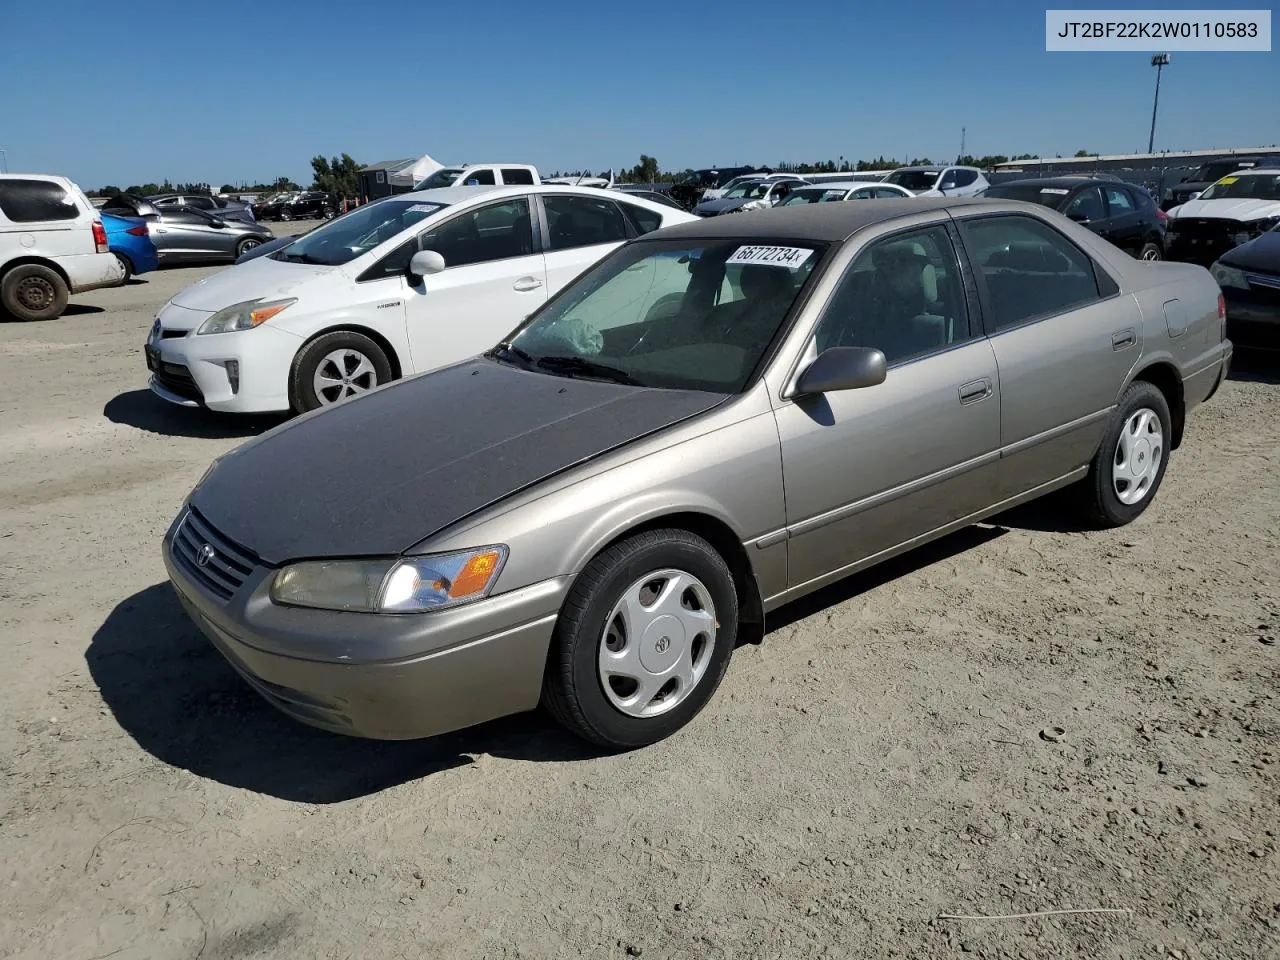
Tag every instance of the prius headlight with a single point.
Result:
(244, 316)
(401, 585)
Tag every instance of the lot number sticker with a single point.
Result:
(790, 257)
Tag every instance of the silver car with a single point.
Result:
(716, 419)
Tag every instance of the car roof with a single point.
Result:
(826, 222)
(846, 184)
(1070, 181)
(457, 195)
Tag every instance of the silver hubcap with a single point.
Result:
(1139, 453)
(657, 643)
(1152, 254)
(343, 373)
(248, 245)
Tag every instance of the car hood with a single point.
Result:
(719, 205)
(1243, 209)
(259, 279)
(1261, 254)
(378, 474)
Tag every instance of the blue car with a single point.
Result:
(130, 240)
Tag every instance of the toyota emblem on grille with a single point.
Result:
(204, 556)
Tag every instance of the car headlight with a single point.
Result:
(244, 316)
(403, 585)
(1228, 276)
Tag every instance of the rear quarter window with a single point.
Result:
(645, 220)
(36, 201)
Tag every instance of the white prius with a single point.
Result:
(404, 285)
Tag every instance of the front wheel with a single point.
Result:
(286, 215)
(643, 640)
(32, 291)
(1150, 251)
(336, 367)
(1130, 463)
(245, 245)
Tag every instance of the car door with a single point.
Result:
(1065, 339)
(1087, 208)
(1123, 219)
(870, 469)
(190, 234)
(494, 277)
(579, 231)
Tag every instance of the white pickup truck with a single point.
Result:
(481, 174)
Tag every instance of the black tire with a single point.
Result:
(286, 215)
(572, 691)
(245, 245)
(128, 267)
(302, 394)
(1096, 494)
(32, 291)
(1151, 251)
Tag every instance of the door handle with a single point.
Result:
(975, 390)
(527, 283)
(1122, 339)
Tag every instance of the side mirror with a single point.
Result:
(425, 262)
(1078, 216)
(843, 368)
(217, 221)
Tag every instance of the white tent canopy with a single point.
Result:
(418, 170)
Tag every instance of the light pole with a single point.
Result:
(1159, 61)
(4, 161)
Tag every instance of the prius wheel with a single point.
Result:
(1130, 463)
(643, 640)
(337, 367)
(1150, 251)
(245, 245)
(32, 291)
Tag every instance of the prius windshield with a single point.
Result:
(675, 315)
(347, 237)
(1245, 186)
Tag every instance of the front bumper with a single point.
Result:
(194, 370)
(380, 676)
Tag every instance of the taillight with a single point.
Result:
(1222, 317)
(139, 231)
(99, 236)
(1161, 215)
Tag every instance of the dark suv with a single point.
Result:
(308, 205)
(1205, 176)
(688, 192)
(1124, 213)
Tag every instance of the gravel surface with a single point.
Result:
(1020, 718)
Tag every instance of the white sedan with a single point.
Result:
(844, 190)
(404, 285)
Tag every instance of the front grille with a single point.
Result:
(176, 378)
(226, 565)
(1203, 239)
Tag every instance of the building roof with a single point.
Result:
(1141, 157)
(389, 164)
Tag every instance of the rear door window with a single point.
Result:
(480, 178)
(36, 201)
(516, 175)
(583, 222)
(1119, 203)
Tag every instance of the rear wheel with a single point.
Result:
(32, 291)
(643, 640)
(285, 214)
(1151, 251)
(336, 367)
(128, 267)
(245, 245)
(1130, 463)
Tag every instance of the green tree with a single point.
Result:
(646, 171)
(1084, 153)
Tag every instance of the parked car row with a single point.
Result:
(296, 205)
(187, 233)
(639, 432)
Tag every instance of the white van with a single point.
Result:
(481, 175)
(399, 286)
(52, 244)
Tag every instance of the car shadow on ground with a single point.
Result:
(80, 309)
(143, 410)
(176, 696)
(1255, 366)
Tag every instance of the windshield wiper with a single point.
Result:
(586, 368)
(526, 361)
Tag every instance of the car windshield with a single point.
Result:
(1048, 195)
(1214, 171)
(441, 178)
(749, 191)
(1245, 186)
(813, 195)
(913, 179)
(669, 314)
(359, 231)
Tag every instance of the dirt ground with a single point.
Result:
(875, 763)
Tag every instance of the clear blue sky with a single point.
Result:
(202, 91)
